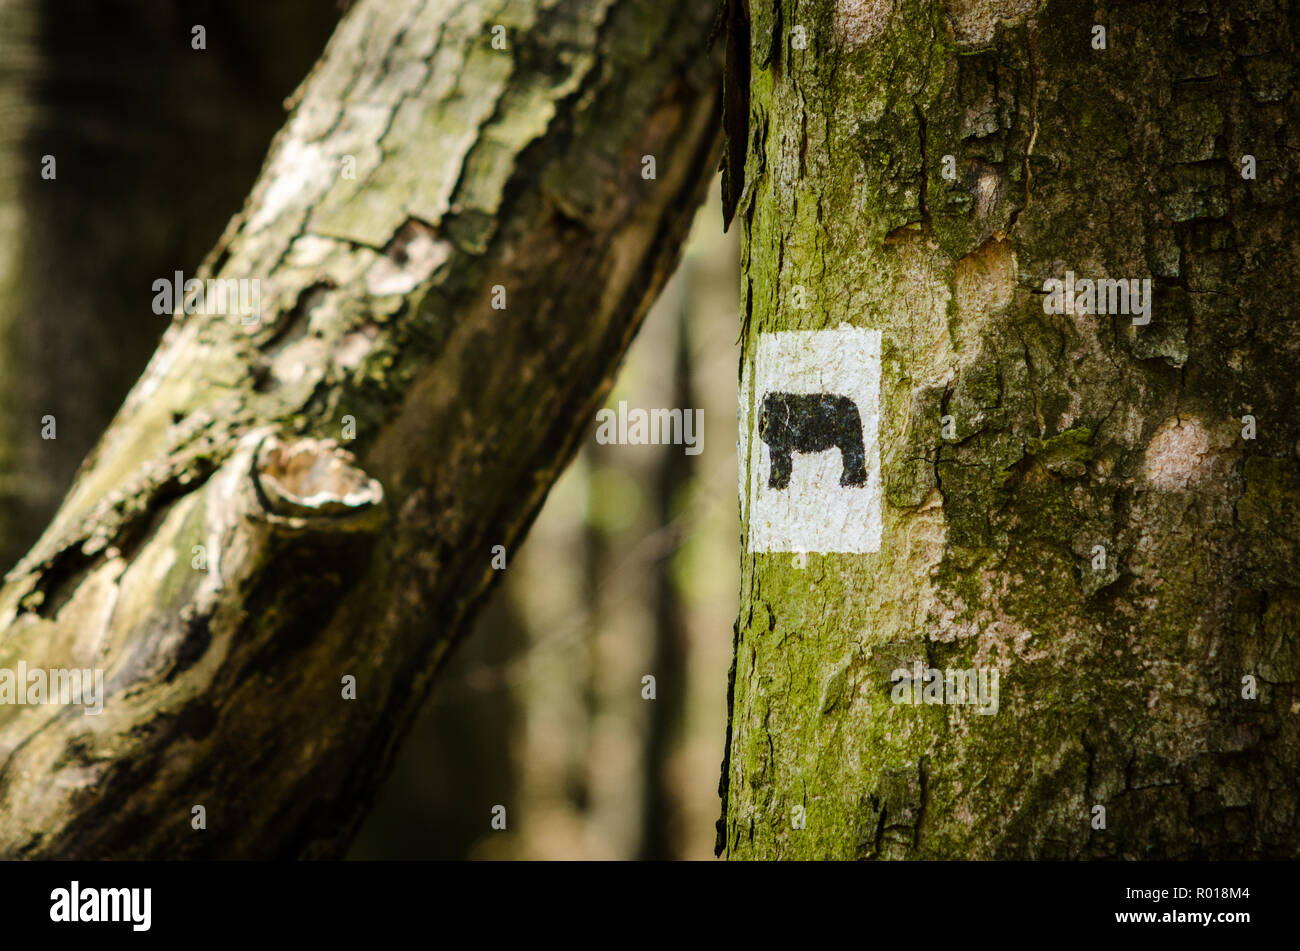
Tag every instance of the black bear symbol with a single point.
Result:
(812, 422)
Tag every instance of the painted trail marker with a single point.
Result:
(812, 456)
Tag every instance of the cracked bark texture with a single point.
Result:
(329, 556)
(1120, 685)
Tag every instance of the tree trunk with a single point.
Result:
(454, 242)
(1099, 508)
(673, 473)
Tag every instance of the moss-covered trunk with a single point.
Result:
(454, 239)
(1098, 507)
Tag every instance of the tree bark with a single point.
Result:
(221, 556)
(1071, 499)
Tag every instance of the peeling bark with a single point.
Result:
(328, 556)
(1121, 677)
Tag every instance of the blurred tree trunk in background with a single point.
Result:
(1102, 510)
(455, 238)
(556, 585)
(19, 489)
(155, 147)
(661, 832)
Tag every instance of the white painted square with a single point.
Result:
(814, 513)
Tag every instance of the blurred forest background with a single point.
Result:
(631, 568)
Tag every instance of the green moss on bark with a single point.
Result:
(1118, 575)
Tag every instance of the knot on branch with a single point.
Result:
(310, 479)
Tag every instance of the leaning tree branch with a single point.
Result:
(228, 554)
